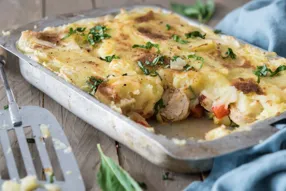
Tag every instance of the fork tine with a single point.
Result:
(27, 158)
(10, 160)
(42, 151)
(65, 156)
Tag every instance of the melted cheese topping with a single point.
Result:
(127, 89)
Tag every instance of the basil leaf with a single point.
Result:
(168, 26)
(201, 10)
(109, 58)
(93, 83)
(229, 54)
(195, 34)
(113, 177)
(179, 39)
(148, 46)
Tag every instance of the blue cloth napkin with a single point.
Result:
(262, 167)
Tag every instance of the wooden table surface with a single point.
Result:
(83, 137)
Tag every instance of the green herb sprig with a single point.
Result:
(97, 34)
(112, 177)
(195, 34)
(109, 58)
(168, 27)
(146, 71)
(201, 10)
(263, 71)
(148, 46)
(198, 58)
(79, 30)
(178, 39)
(93, 83)
(229, 54)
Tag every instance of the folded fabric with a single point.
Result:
(262, 167)
(259, 22)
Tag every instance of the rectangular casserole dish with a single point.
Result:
(181, 156)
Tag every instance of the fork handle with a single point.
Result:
(13, 107)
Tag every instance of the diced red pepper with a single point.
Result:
(220, 111)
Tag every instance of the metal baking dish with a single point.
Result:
(192, 156)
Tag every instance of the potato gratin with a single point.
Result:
(146, 63)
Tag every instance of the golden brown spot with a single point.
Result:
(148, 33)
(247, 86)
(90, 62)
(147, 17)
(50, 37)
(108, 92)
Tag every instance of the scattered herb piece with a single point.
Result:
(112, 177)
(199, 58)
(195, 34)
(97, 34)
(187, 67)
(229, 54)
(168, 26)
(52, 178)
(148, 46)
(93, 83)
(175, 58)
(217, 31)
(30, 140)
(72, 31)
(166, 176)
(6, 107)
(179, 39)
(160, 104)
(142, 67)
(193, 92)
(109, 58)
(279, 69)
(262, 71)
(157, 60)
(125, 74)
(201, 10)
